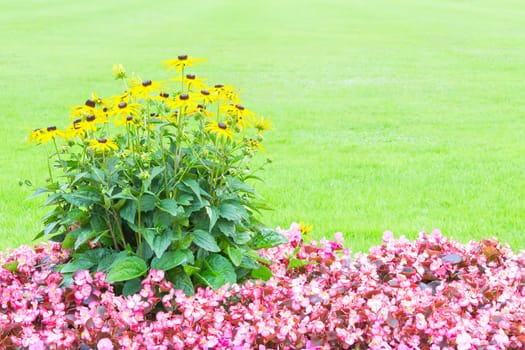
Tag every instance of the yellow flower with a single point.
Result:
(50, 133)
(183, 101)
(118, 71)
(227, 92)
(102, 145)
(180, 62)
(124, 109)
(75, 130)
(207, 97)
(35, 135)
(305, 228)
(262, 124)
(146, 88)
(127, 120)
(239, 113)
(200, 109)
(192, 81)
(220, 129)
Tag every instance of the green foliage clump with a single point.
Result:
(157, 178)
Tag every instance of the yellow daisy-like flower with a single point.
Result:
(128, 120)
(146, 88)
(241, 116)
(227, 92)
(50, 133)
(200, 109)
(75, 130)
(220, 129)
(207, 97)
(183, 101)
(162, 96)
(124, 109)
(305, 228)
(262, 124)
(180, 62)
(35, 135)
(191, 81)
(102, 145)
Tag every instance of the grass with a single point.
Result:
(389, 115)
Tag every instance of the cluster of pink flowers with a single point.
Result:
(430, 293)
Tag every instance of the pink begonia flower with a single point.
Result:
(463, 341)
(387, 236)
(104, 344)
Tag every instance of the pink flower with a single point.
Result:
(104, 344)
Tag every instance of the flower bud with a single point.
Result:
(118, 71)
(146, 83)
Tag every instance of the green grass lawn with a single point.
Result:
(403, 115)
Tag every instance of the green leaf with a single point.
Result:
(181, 281)
(76, 265)
(249, 263)
(242, 237)
(129, 211)
(126, 269)
(223, 266)
(190, 270)
(233, 211)
(194, 186)
(213, 215)
(170, 206)
(158, 242)
(295, 263)
(235, 255)
(11, 266)
(210, 278)
(206, 241)
(227, 227)
(131, 287)
(83, 197)
(148, 202)
(149, 235)
(184, 199)
(186, 241)
(39, 191)
(267, 238)
(169, 260)
(84, 235)
(237, 185)
(263, 273)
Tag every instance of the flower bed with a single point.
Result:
(430, 293)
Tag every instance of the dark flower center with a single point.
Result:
(205, 92)
(222, 126)
(190, 76)
(129, 118)
(218, 86)
(199, 106)
(122, 105)
(102, 140)
(152, 114)
(182, 57)
(184, 97)
(90, 103)
(164, 94)
(76, 121)
(240, 107)
(51, 128)
(90, 118)
(146, 83)
(105, 109)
